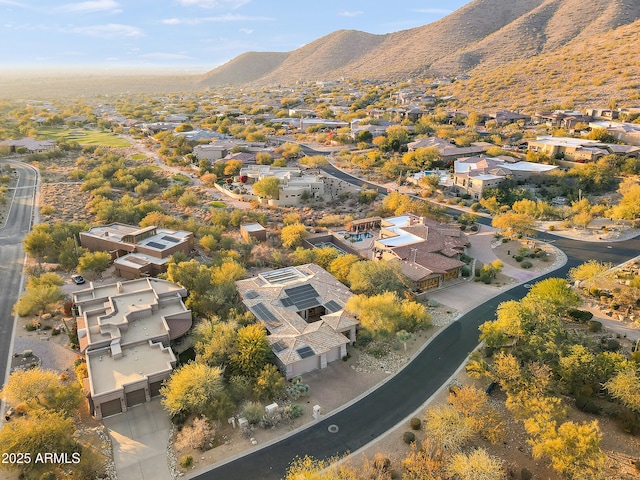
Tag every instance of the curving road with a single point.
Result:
(393, 401)
(18, 223)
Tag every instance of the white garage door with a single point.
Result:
(306, 365)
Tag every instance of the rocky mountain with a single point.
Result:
(483, 33)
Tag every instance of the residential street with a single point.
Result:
(18, 223)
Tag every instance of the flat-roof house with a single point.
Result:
(294, 183)
(574, 149)
(124, 330)
(428, 252)
(473, 174)
(253, 231)
(137, 252)
(302, 309)
(628, 133)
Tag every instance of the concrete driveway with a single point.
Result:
(139, 438)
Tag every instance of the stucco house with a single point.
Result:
(137, 252)
(473, 174)
(428, 252)
(302, 309)
(124, 330)
(448, 152)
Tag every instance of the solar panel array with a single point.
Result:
(157, 245)
(278, 347)
(305, 352)
(302, 297)
(332, 306)
(251, 294)
(263, 314)
(171, 239)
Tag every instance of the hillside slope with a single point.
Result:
(483, 33)
(598, 71)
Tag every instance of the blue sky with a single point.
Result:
(188, 33)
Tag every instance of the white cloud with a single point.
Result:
(91, 6)
(109, 31)
(248, 31)
(13, 4)
(217, 19)
(354, 13)
(214, 3)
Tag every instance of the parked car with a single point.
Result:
(78, 279)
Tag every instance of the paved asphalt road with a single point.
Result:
(12, 256)
(398, 398)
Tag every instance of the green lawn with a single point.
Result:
(218, 204)
(83, 137)
(138, 156)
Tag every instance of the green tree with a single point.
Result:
(629, 206)
(625, 386)
(292, 235)
(512, 224)
(342, 266)
(552, 296)
(447, 427)
(191, 388)
(270, 383)
(252, 350)
(44, 431)
(214, 341)
(38, 299)
(94, 263)
(385, 314)
(477, 465)
(574, 450)
(374, 277)
(315, 161)
(38, 243)
(589, 270)
(267, 187)
(264, 158)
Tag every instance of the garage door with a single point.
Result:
(154, 388)
(306, 365)
(111, 407)
(333, 355)
(136, 397)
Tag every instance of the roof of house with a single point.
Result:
(445, 148)
(494, 166)
(121, 328)
(423, 246)
(276, 297)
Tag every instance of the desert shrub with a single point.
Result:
(31, 326)
(580, 315)
(552, 228)
(526, 264)
(408, 437)
(505, 240)
(199, 434)
(594, 292)
(293, 411)
(381, 463)
(587, 405)
(594, 326)
(475, 207)
(415, 423)
(463, 227)
(612, 345)
(474, 228)
(186, 461)
(627, 419)
(525, 474)
(253, 412)
(465, 271)
(465, 258)
(517, 258)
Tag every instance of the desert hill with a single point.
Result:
(483, 33)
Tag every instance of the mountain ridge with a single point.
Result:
(480, 34)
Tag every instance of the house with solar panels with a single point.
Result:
(137, 252)
(302, 309)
